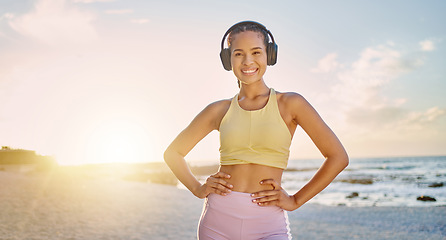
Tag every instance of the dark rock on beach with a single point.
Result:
(364, 181)
(436, 185)
(426, 199)
(353, 195)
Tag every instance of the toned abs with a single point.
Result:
(246, 177)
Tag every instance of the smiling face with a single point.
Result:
(248, 56)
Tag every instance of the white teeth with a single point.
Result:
(249, 71)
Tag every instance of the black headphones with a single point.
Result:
(271, 48)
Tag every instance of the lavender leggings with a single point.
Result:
(235, 216)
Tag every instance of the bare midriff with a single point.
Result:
(246, 177)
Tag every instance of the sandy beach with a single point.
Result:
(67, 204)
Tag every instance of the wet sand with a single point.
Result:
(75, 205)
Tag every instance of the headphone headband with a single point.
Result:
(243, 23)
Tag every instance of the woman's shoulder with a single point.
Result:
(290, 98)
(294, 105)
(219, 105)
(217, 109)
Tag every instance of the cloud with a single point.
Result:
(55, 22)
(427, 45)
(360, 83)
(395, 131)
(426, 117)
(360, 111)
(375, 119)
(7, 16)
(390, 43)
(327, 63)
(394, 118)
(140, 20)
(119, 11)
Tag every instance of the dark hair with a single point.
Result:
(248, 27)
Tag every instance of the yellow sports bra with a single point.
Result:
(258, 136)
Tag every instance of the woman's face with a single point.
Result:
(248, 57)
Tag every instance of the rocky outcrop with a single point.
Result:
(353, 195)
(364, 181)
(436, 185)
(426, 198)
(24, 160)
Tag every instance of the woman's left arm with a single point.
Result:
(336, 158)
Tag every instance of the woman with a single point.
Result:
(244, 199)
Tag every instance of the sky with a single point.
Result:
(92, 81)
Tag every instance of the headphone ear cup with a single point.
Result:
(271, 51)
(225, 56)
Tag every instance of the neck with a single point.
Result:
(253, 90)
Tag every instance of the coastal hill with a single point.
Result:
(27, 161)
(24, 160)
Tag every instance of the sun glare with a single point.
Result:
(119, 141)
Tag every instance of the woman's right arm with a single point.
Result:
(205, 122)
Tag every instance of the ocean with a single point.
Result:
(395, 181)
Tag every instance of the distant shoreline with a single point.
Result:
(358, 180)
